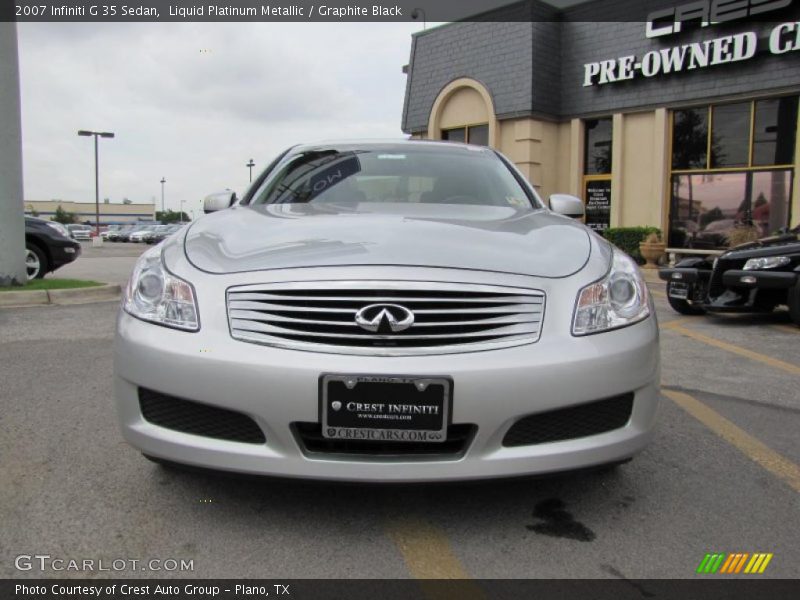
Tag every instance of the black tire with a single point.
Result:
(794, 303)
(36, 263)
(683, 306)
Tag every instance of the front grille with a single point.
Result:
(458, 439)
(722, 264)
(321, 316)
(199, 419)
(570, 423)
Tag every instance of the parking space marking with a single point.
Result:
(677, 327)
(753, 448)
(787, 328)
(426, 550)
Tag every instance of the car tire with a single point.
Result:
(683, 306)
(36, 264)
(794, 303)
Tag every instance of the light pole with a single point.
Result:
(250, 166)
(96, 134)
(163, 181)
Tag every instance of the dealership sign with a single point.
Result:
(721, 50)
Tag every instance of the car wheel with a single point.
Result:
(683, 306)
(35, 262)
(794, 303)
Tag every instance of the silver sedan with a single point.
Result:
(387, 311)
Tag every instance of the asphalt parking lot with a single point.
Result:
(722, 474)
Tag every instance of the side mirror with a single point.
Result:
(567, 205)
(218, 201)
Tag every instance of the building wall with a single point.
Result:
(494, 54)
(583, 43)
(640, 170)
(109, 213)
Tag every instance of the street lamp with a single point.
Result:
(250, 166)
(96, 134)
(163, 181)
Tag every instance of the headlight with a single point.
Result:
(768, 262)
(156, 295)
(60, 228)
(617, 300)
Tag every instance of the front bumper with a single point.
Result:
(768, 280)
(492, 390)
(64, 253)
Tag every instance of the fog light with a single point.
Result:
(69, 250)
(749, 279)
(677, 275)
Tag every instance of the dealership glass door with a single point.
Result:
(597, 197)
(597, 140)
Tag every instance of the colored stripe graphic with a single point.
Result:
(734, 563)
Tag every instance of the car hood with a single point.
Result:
(501, 239)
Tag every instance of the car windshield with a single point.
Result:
(395, 173)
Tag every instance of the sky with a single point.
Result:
(194, 102)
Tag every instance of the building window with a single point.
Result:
(742, 135)
(690, 138)
(731, 166)
(472, 134)
(730, 135)
(774, 131)
(597, 146)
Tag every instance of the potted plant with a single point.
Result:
(652, 248)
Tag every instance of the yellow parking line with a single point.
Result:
(753, 448)
(733, 348)
(426, 550)
(787, 328)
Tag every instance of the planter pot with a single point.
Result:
(651, 253)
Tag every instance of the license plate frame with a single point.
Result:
(413, 425)
(679, 291)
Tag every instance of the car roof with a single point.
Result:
(393, 143)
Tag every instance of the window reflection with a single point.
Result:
(690, 138)
(705, 207)
(774, 131)
(597, 146)
(730, 135)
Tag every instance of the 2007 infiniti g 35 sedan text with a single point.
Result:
(388, 311)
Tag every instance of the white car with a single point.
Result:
(137, 236)
(397, 311)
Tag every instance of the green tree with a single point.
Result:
(64, 217)
(170, 216)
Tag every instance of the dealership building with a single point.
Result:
(85, 211)
(676, 121)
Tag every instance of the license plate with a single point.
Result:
(678, 290)
(385, 408)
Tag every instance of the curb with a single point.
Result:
(69, 296)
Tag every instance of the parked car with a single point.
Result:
(104, 234)
(159, 233)
(137, 236)
(168, 230)
(117, 234)
(397, 311)
(47, 247)
(753, 277)
(80, 232)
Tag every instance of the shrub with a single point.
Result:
(627, 239)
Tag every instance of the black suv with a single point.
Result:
(753, 277)
(46, 248)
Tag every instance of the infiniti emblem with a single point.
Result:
(384, 318)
